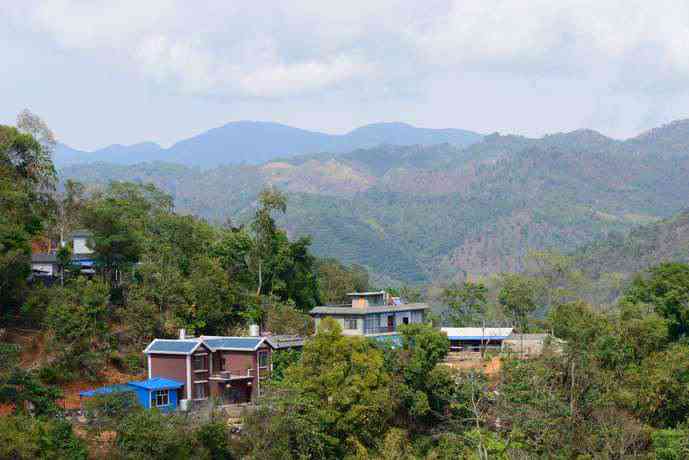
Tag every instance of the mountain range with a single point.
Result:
(254, 142)
(420, 213)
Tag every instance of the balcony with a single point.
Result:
(236, 374)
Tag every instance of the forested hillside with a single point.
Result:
(422, 213)
(645, 246)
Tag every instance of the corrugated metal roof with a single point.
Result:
(285, 341)
(43, 257)
(232, 343)
(172, 346)
(477, 333)
(368, 310)
(157, 383)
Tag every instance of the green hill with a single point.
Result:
(643, 247)
(418, 213)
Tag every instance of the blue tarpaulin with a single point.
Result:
(122, 388)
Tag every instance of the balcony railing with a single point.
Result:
(378, 330)
(233, 374)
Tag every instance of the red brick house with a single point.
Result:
(231, 369)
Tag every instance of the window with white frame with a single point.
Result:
(351, 323)
(262, 359)
(160, 398)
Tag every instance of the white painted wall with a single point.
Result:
(80, 246)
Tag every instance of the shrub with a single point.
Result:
(153, 435)
(105, 412)
(23, 437)
(214, 437)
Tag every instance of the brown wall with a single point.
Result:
(170, 366)
(239, 361)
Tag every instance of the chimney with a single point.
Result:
(182, 334)
(254, 330)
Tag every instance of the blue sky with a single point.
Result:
(128, 71)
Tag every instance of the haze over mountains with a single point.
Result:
(255, 142)
(416, 213)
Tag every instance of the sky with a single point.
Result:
(104, 72)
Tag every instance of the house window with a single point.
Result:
(351, 323)
(200, 391)
(200, 362)
(262, 359)
(160, 398)
(405, 320)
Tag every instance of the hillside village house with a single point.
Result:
(476, 338)
(231, 369)
(503, 339)
(44, 262)
(372, 314)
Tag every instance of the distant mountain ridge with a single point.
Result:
(256, 142)
(437, 212)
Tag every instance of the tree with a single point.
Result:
(264, 230)
(27, 178)
(78, 320)
(154, 435)
(119, 218)
(423, 386)
(335, 280)
(69, 205)
(518, 296)
(467, 302)
(214, 438)
(346, 377)
(64, 261)
(666, 287)
(25, 438)
(27, 393)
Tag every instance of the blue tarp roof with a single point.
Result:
(157, 383)
(393, 340)
(172, 346)
(233, 343)
(106, 390)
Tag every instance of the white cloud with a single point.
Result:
(282, 48)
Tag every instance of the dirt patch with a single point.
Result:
(32, 345)
(72, 400)
(491, 368)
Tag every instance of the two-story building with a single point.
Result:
(372, 314)
(231, 369)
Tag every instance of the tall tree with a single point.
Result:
(666, 287)
(69, 204)
(264, 229)
(518, 296)
(120, 217)
(27, 179)
(467, 302)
